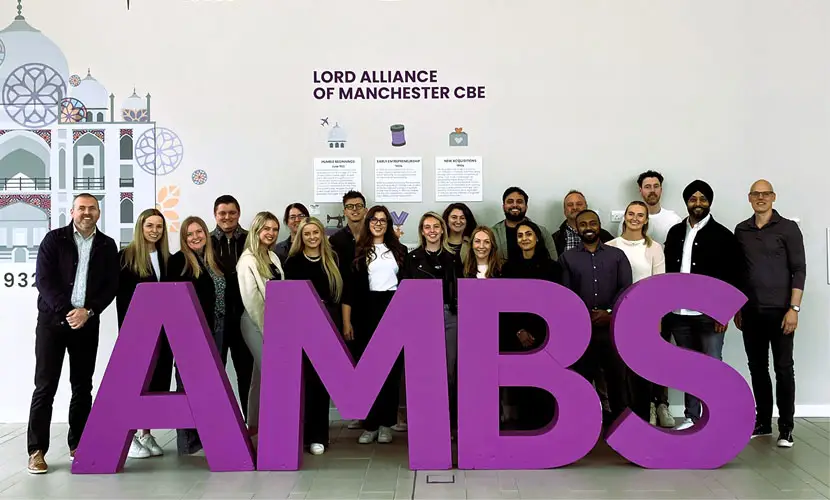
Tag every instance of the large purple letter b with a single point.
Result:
(482, 370)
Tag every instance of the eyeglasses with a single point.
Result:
(761, 194)
(377, 222)
(297, 217)
(355, 206)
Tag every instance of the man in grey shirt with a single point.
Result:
(776, 270)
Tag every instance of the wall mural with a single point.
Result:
(61, 134)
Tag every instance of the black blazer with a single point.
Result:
(417, 267)
(716, 252)
(205, 289)
(226, 258)
(510, 323)
(128, 280)
(57, 263)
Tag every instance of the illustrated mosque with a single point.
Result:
(60, 135)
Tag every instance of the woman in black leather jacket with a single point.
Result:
(435, 259)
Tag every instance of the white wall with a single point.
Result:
(579, 95)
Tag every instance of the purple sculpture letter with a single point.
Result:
(481, 370)
(728, 406)
(123, 405)
(296, 321)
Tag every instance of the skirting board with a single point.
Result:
(801, 411)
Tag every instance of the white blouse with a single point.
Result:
(383, 270)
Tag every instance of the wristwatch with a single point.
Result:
(795, 307)
(90, 313)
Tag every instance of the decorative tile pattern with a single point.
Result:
(77, 134)
(126, 131)
(42, 201)
(126, 196)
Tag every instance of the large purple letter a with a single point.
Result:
(122, 404)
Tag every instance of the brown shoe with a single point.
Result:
(37, 464)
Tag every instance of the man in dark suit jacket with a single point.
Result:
(229, 243)
(77, 278)
(700, 245)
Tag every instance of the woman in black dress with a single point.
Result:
(311, 258)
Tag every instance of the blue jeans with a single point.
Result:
(696, 333)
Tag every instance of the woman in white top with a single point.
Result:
(145, 260)
(370, 286)
(482, 259)
(647, 259)
(257, 265)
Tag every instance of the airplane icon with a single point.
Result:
(324, 122)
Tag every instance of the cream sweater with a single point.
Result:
(645, 261)
(252, 285)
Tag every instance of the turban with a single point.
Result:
(698, 185)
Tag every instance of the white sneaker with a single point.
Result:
(664, 416)
(652, 415)
(384, 435)
(686, 424)
(401, 427)
(355, 424)
(317, 449)
(149, 442)
(368, 437)
(137, 450)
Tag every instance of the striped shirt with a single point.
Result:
(84, 249)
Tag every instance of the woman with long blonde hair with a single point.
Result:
(145, 260)
(649, 401)
(197, 263)
(312, 258)
(257, 265)
(436, 259)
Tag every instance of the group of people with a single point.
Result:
(357, 270)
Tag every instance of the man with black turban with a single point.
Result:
(700, 245)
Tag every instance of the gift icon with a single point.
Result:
(458, 138)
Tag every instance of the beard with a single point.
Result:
(699, 213)
(508, 214)
(652, 199)
(589, 236)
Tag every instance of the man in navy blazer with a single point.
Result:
(77, 278)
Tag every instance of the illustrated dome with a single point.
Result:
(337, 137)
(91, 93)
(32, 69)
(134, 109)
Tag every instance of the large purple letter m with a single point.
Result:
(296, 321)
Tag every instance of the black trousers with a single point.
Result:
(762, 330)
(316, 407)
(384, 411)
(660, 393)
(601, 353)
(163, 371)
(243, 361)
(52, 342)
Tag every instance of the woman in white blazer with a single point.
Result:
(257, 265)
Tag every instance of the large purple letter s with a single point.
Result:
(728, 406)
(296, 321)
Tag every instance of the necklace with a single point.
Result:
(312, 259)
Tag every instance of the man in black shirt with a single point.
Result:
(700, 245)
(598, 274)
(77, 279)
(776, 269)
(514, 204)
(229, 243)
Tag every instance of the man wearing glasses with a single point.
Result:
(343, 241)
(775, 264)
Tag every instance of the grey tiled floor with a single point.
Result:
(352, 471)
